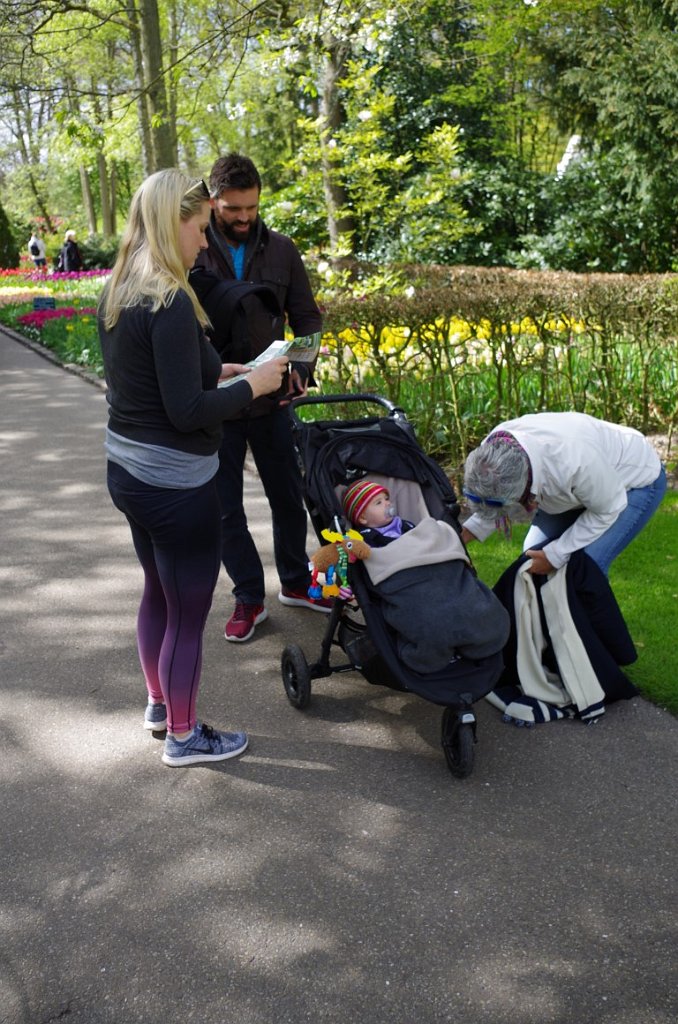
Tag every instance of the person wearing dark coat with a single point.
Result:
(241, 247)
(70, 258)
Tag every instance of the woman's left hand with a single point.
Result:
(540, 565)
(232, 370)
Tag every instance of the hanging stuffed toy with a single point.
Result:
(332, 559)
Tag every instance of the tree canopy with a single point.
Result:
(424, 131)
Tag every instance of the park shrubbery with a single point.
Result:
(460, 348)
(464, 347)
(99, 253)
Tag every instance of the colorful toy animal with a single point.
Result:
(332, 559)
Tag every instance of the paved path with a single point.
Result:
(336, 873)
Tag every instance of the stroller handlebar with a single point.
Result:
(394, 411)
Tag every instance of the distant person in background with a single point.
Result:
(69, 257)
(36, 250)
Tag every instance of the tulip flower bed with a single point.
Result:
(69, 330)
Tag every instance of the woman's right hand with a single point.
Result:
(267, 378)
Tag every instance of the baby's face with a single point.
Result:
(379, 511)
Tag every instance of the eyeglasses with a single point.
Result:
(490, 502)
(198, 187)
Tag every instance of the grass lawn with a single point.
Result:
(645, 582)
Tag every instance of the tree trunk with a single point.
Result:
(88, 199)
(104, 195)
(21, 132)
(112, 169)
(164, 154)
(102, 168)
(340, 223)
(113, 193)
(142, 106)
(171, 78)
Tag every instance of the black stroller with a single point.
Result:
(332, 452)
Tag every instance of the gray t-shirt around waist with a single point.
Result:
(158, 466)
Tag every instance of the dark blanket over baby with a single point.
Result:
(432, 599)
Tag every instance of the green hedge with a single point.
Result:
(461, 348)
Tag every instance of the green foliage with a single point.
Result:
(73, 338)
(503, 203)
(74, 341)
(424, 66)
(450, 120)
(363, 161)
(463, 348)
(592, 218)
(98, 253)
(9, 252)
(644, 580)
(597, 221)
(617, 67)
(429, 217)
(298, 210)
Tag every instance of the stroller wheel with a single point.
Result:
(458, 739)
(296, 676)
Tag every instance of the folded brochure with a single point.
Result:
(298, 350)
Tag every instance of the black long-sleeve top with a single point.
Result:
(162, 375)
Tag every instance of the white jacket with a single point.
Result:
(41, 245)
(578, 462)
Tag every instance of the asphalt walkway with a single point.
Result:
(337, 872)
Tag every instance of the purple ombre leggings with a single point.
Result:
(177, 538)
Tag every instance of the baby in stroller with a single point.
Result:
(438, 608)
(367, 505)
(446, 631)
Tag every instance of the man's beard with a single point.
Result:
(236, 236)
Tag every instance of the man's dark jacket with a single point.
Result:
(271, 259)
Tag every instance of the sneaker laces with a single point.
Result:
(242, 613)
(208, 733)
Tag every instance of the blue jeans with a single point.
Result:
(643, 502)
(270, 441)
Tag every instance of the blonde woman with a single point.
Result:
(164, 430)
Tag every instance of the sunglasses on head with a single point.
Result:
(490, 502)
(199, 187)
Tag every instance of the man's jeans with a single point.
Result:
(643, 502)
(270, 441)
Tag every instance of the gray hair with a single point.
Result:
(497, 471)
